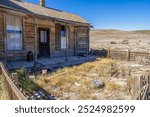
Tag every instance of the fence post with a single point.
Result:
(108, 53)
(13, 91)
(128, 55)
(149, 81)
(14, 77)
(44, 72)
(134, 88)
(141, 82)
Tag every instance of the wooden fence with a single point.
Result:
(144, 94)
(140, 86)
(143, 57)
(13, 91)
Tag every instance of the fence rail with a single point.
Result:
(141, 91)
(13, 91)
(143, 57)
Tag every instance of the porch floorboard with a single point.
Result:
(47, 61)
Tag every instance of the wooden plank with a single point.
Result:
(13, 90)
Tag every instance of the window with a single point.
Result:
(14, 33)
(43, 38)
(61, 39)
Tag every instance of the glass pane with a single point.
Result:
(10, 22)
(10, 38)
(17, 43)
(63, 33)
(43, 37)
(18, 24)
(63, 42)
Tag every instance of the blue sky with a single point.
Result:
(107, 14)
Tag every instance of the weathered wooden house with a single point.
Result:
(44, 31)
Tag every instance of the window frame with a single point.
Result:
(22, 33)
(45, 36)
(61, 35)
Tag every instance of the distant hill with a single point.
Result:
(114, 31)
(142, 31)
(101, 38)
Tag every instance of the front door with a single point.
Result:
(44, 49)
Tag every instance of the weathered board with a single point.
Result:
(78, 38)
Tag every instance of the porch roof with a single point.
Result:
(34, 9)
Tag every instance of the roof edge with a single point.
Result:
(41, 16)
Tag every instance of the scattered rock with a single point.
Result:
(44, 72)
(113, 42)
(77, 84)
(125, 42)
(98, 84)
(32, 77)
(69, 96)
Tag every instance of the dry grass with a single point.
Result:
(3, 91)
(75, 83)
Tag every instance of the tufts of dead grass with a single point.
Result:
(3, 90)
(75, 83)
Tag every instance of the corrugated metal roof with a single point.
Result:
(41, 11)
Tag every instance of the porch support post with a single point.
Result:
(75, 41)
(67, 38)
(35, 48)
(88, 40)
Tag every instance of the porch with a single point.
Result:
(52, 62)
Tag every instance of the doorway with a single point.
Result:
(44, 45)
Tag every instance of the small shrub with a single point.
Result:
(113, 42)
(128, 86)
(113, 86)
(125, 42)
(25, 84)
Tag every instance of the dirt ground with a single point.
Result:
(76, 82)
(124, 40)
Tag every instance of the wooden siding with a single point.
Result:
(2, 48)
(71, 40)
(29, 35)
(57, 37)
(52, 40)
(29, 38)
(82, 40)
